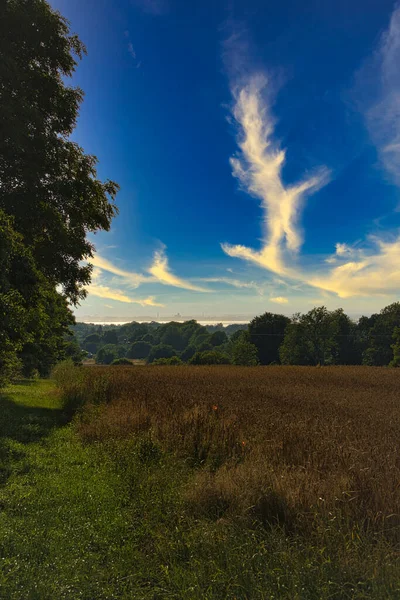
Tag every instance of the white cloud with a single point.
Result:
(371, 270)
(280, 300)
(161, 271)
(132, 278)
(258, 166)
(237, 283)
(101, 290)
(379, 79)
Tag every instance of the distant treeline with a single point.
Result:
(318, 337)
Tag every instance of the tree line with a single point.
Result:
(50, 196)
(318, 337)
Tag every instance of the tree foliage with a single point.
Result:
(50, 195)
(266, 333)
(48, 183)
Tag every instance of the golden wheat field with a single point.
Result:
(296, 446)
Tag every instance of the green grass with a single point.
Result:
(110, 521)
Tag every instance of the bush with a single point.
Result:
(174, 360)
(107, 354)
(211, 357)
(121, 362)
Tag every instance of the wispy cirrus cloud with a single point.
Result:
(130, 277)
(258, 166)
(159, 272)
(237, 283)
(162, 273)
(99, 289)
(378, 95)
(364, 269)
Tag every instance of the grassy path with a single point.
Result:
(63, 526)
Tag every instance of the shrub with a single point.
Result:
(211, 357)
(107, 354)
(121, 362)
(174, 360)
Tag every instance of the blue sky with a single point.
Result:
(257, 146)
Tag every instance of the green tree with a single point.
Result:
(139, 350)
(395, 362)
(48, 184)
(160, 351)
(172, 336)
(110, 337)
(266, 333)
(379, 351)
(244, 353)
(218, 338)
(91, 343)
(20, 294)
(188, 352)
(311, 338)
(107, 354)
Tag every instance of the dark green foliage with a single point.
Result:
(188, 352)
(395, 362)
(139, 350)
(379, 351)
(266, 332)
(218, 338)
(110, 337)
(91, 343)
(244, 353)
(122, 362)
(172, 336)
(19, 295)
(160, 351)
(50, 197)
(47, 182)
(311, 339)
(174, 360)
(211, 357)
(107, 354)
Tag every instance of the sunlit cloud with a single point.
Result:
(280, 300)
(134, 279)
(369, 269)
(258, 166)
(100, 289)
(103, 291)
(237, 283)
(374, 273)
(161, 271)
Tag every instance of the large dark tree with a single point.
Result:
(47, 183)
(266, 333)
(50, 196)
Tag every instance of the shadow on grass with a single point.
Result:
(25, 425)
